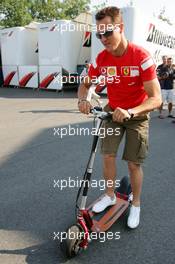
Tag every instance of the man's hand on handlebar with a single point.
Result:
(120, 115)
(84, 106)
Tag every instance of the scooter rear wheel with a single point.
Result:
(125, 186)
(70, 242)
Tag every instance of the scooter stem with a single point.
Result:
(89, 169)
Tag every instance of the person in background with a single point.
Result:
(166, 76)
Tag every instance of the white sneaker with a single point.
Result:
(134, 217)
(104, 203)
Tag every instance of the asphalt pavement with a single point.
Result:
(34, 155)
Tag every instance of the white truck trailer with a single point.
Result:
(63, 46)
(19, 56)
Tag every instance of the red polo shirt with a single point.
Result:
(124, 75)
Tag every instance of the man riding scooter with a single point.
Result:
(133, 91)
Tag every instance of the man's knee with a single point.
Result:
(133, 167)
(109, 157)
(108, 160)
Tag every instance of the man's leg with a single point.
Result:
(160, 111)
(170, 108)
(135, 172)
(170, 98)
(109, 170)
(136, 147)
(109, 144)
(136, 178)
(163, 92)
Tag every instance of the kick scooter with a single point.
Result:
(77, 236)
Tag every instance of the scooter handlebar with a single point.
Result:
(98, 112)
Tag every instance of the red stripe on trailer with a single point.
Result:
(53, 28)
(47, 80)
(26, 79)
(9, 77)
(87, 39)
(150, 26)
(11, 32)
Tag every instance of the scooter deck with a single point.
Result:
(104, 220)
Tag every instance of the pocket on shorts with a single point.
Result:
(107, 108)
(143, 148)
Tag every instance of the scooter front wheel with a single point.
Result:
(71, 240)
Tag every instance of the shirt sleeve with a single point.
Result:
(173, 74)
(147, 67)
(94, 71)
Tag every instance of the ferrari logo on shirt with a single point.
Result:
(130, 71)
(126, 71)
(111, 71)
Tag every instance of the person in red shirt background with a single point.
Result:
(133, 91)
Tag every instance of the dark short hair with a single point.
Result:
(111, 11)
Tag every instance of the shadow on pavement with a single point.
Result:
(10, 92)
(71, 111)
(45, 253)
(30, 203)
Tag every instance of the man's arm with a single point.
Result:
(83, 105)
(173, 74)
(83, 88)
(158, 71)
(154, 100)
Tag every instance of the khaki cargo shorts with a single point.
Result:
(136, 137)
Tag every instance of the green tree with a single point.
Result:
(44, 11)
(96, 8)
(22, 12)
(14, 13)
(162, 16)
(72, 8)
